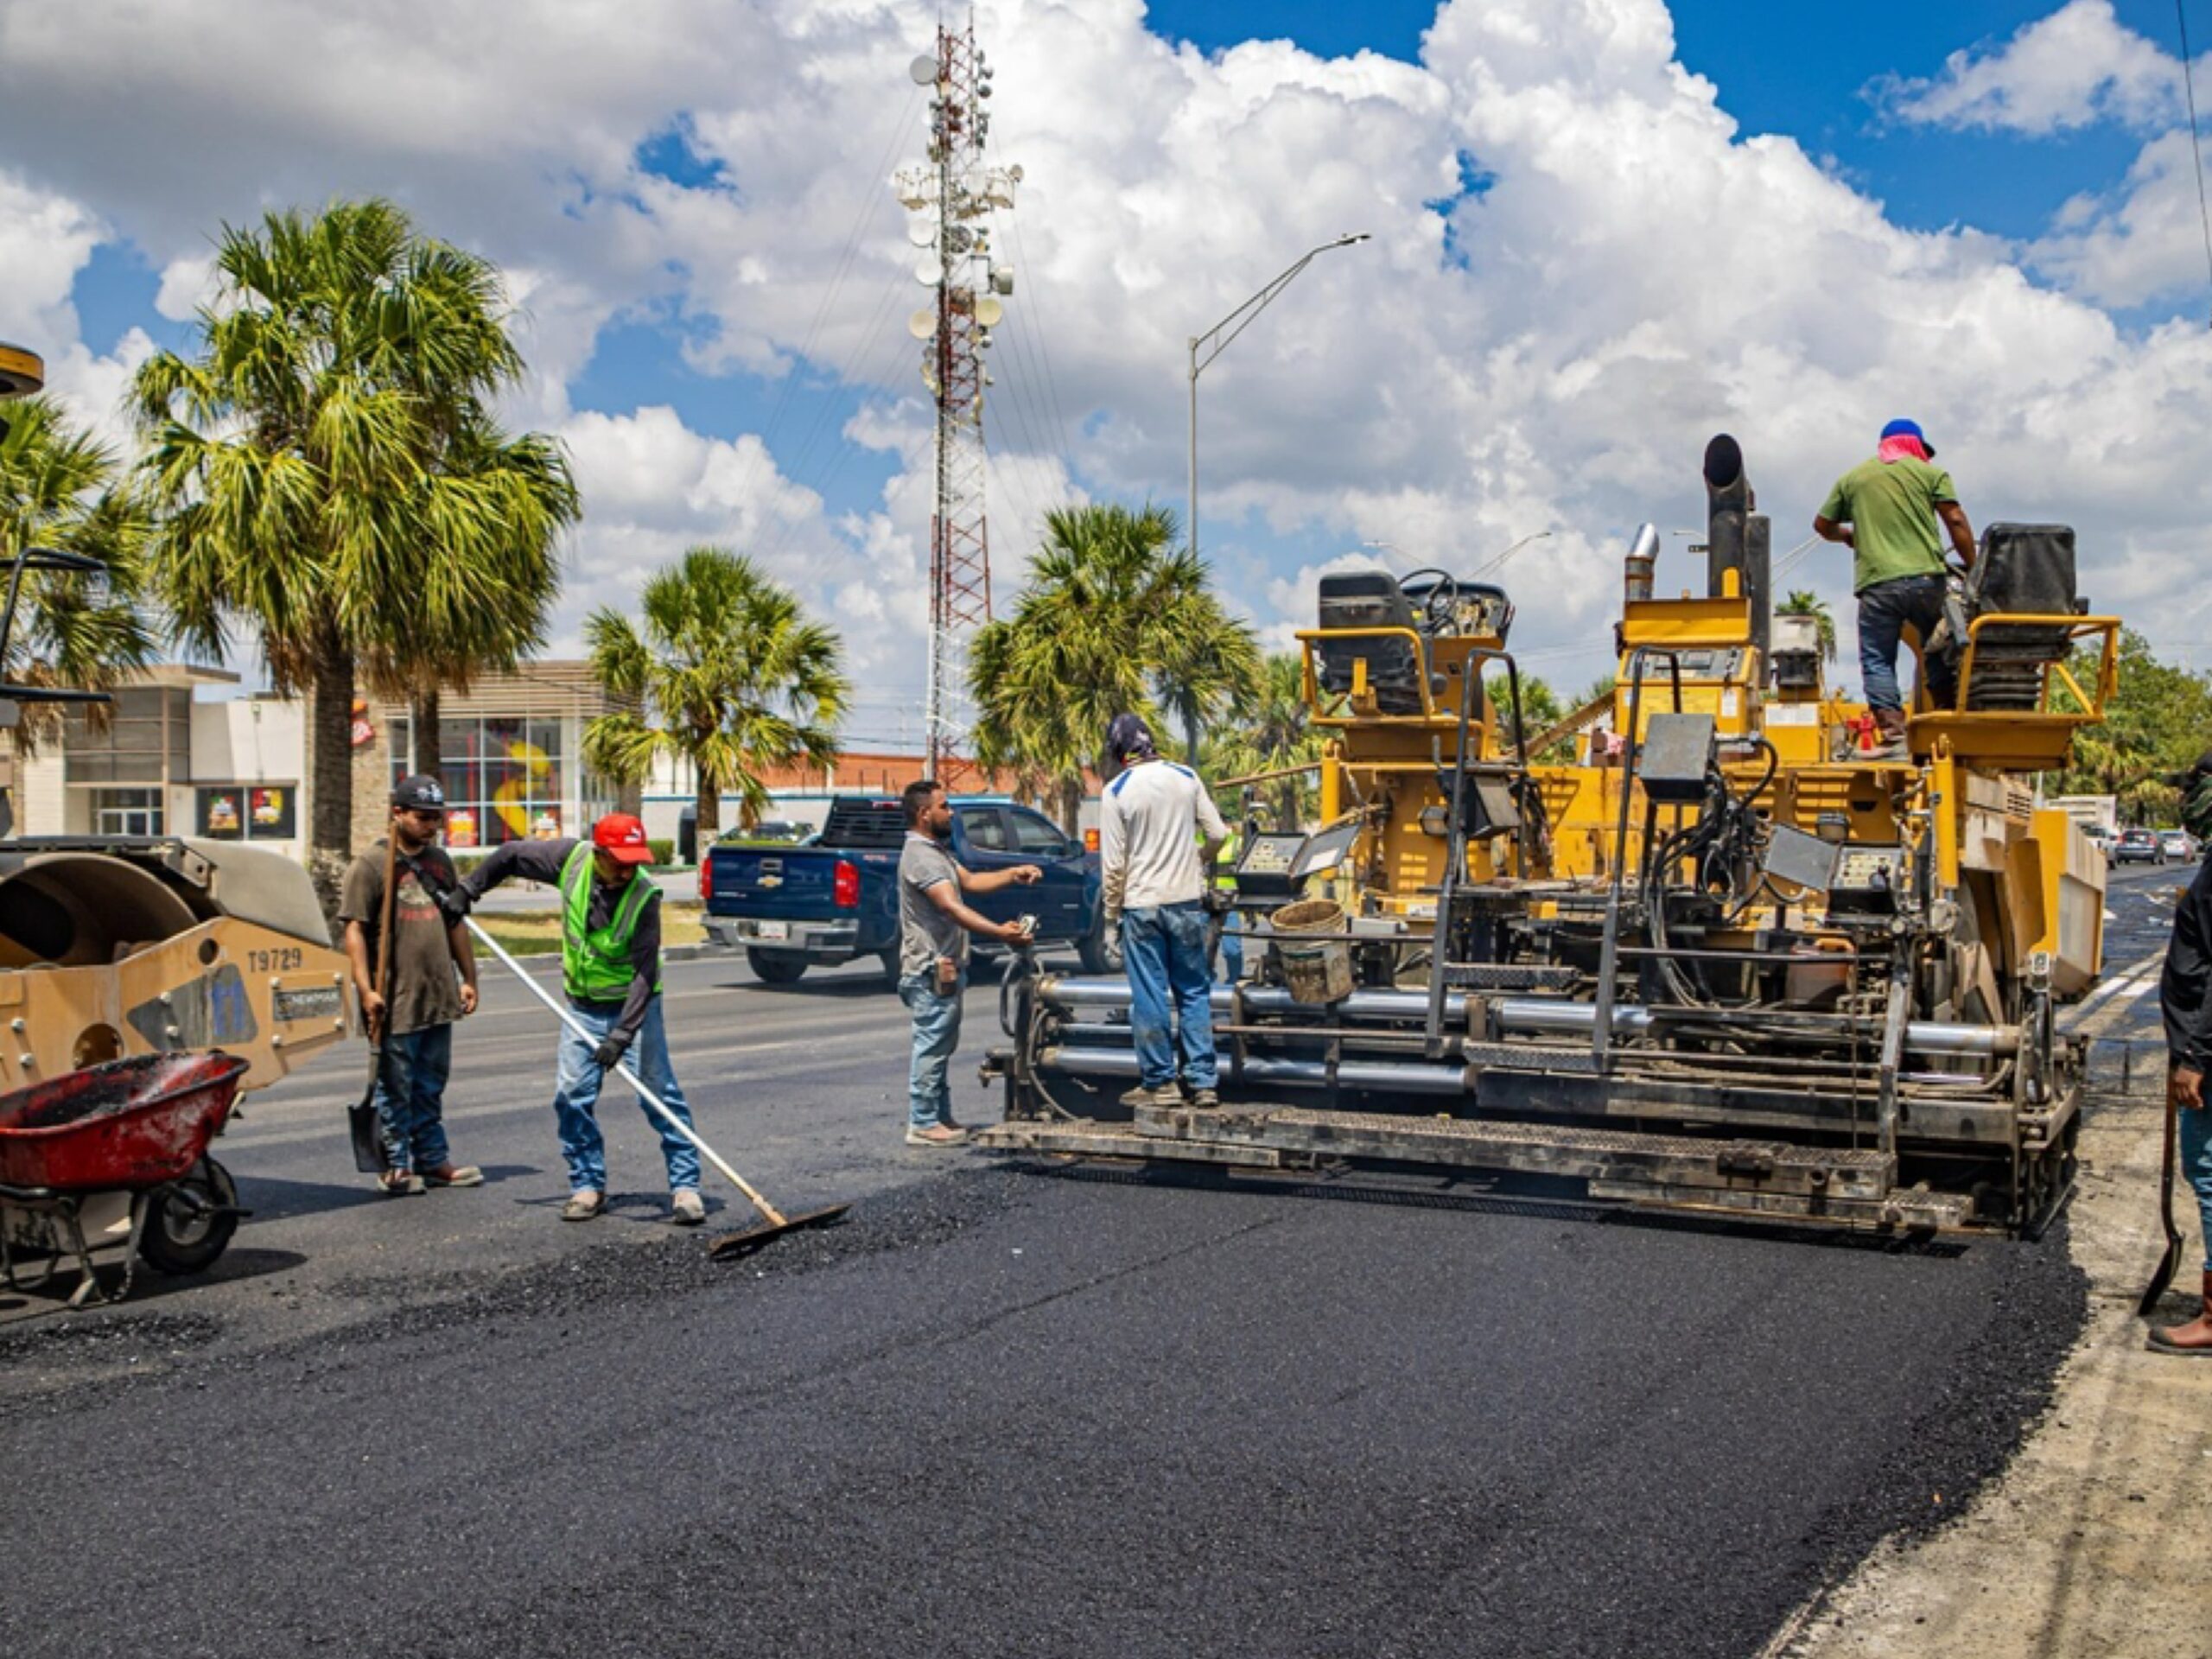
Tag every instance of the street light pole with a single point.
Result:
(1242, 318)
(1215, 344)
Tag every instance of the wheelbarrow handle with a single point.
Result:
(622, 1069)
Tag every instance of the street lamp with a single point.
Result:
(1242, 317)
(1536, 536)
(1215, 344)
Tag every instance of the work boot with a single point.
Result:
(399, 1184)
(454, 1175)
(685, 1207)
(2190, 1340)
(583, 1203)
(1894, 746)
(936, 1135)
(1204, 1099)
(1139, 1097)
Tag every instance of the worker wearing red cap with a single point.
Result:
(610, 967)
(1894, 511)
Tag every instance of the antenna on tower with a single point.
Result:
(953, 196)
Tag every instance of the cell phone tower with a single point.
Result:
(953, 196)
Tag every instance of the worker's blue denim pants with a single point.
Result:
(411, 1098)
(936, 1034)
(1232, 947)
(576, 1092)
(1164, 947)
(1886, 610)
(2193, 1132)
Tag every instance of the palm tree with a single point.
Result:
(305, 462)
(1804, 602)
(497, 616)
(1537, 713)
(729, 673)
(1271, 732)
(62, 490)
(1113, 619)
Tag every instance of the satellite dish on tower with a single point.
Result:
(989, 311)
(929, 273)
(923, 323)
(922, 232)
(924, 69)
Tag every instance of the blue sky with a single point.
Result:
(672, 183)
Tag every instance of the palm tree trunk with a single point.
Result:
(423, 708)
(708, 806)
(330, 769)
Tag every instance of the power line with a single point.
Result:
(2195, 142)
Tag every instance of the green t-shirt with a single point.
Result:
(1890, 507)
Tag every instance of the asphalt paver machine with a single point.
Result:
(114, 948)
(1698, 947)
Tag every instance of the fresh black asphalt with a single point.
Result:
(1000, 1412)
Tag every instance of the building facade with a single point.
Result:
(181, 753)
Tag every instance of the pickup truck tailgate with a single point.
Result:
(800, 883)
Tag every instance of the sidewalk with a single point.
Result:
(2095, 1543)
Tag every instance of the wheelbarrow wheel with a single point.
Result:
(189, 1222)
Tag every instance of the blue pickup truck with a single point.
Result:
(835, 898)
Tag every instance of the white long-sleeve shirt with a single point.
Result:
(1149, 820)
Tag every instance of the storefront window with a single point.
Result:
(506, 778)
(127, 811)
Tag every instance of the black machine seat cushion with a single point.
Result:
(2022, 570)
(1371, 599)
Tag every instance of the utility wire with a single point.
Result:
(2195, 142)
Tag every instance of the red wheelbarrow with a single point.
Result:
(118, 1154)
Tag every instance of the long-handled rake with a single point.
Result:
(775, 1222)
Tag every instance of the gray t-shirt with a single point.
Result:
(925, 932)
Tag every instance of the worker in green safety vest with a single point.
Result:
(1224, 881)
(610, 967)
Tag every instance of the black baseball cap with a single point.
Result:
(1129, 735)
(420, 793)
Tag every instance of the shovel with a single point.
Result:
(774, 1222)
(2162, 1275)
(361, 1116)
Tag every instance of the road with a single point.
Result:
(997, 1412)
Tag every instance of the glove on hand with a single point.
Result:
(610, 1050)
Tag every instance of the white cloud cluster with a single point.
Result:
(2079, 66)
(1580, 270)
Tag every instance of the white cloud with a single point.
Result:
(1548, 348)
(2076, 68)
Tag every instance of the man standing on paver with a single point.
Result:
(2185, 994)
(933, 929)
(1150, 819)
(431, 977)
(610, 967)
(1887, 511)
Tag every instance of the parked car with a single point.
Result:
(2178, 843)
(835, 898)
(2138, 846)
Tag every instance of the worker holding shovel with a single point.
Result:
(610, 970)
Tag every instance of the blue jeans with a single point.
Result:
(1884, 611)
(411, 1098)
(936, 1034)
(2194, 1148)
(1164, 947)
(1232, 947)
(577, 1077)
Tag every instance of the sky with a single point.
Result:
(1601, 231)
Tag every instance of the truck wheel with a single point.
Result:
(776, 967)
(189, 1223)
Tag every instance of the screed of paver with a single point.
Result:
(2096, 1543)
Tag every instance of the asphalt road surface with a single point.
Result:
(996, 1412)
